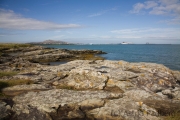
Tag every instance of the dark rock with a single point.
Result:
(33, 114)
(164, 107)
(68, 112)
(6, 112)
(177, 76)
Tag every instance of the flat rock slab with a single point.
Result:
(19, 89)
(50, 100)
(124, 109)
(97, 89)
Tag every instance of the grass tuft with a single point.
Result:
(13, 82)
(65, 87)
(173, 116)
(5, 46)
(7, 73)
(90, 57)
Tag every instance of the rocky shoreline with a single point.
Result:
(85, 88)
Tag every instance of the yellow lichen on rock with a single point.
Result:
(110, 81)
(161, 82)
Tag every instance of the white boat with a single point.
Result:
(124, 43)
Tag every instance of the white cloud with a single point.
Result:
(168, 2)
(136, 30)
(58, 37)
(159, 7)
(137, 8)
(159, 11)
(174, 21)
(96, 14)
(105, 37)
(153, 33)
(128, 37)
(102, 12)
(146, 5)
(11, 20)
(150, 4)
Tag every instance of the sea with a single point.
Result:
(166, 54)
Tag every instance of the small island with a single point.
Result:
(86, 87)
(51, 42)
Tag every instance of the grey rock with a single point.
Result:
(84, 79)
(168, 93)
(138, 94)
(33, 114)
(123, 108)
(50, 100)
(177, 75)
(91, 103)
(20, 89)
(89, 89)
(5, 111)
(26, 87)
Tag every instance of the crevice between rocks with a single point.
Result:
(114, 89)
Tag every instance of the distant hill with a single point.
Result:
(51, 42)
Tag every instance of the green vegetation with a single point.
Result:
(3, 85)
(90, 57)
(65, 87)
(5, 73)
(173, 116)
(13, 82)
(7, 46)
(13, 45)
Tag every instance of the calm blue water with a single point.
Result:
(169, 55)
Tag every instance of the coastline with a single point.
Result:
(87, 87)
(167, 55)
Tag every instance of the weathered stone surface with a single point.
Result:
(163, 107)
(88, 89)
(138, 94)
(18, 59)
(172, 93)
(4, 114)
(57, 54)
(50, 57)
(123, 109)
(19, 89)
(91, 103)
(124, 85)
(84, 79)
(49, 101)
(176, 93)
(33, 114)
(177, 75)
(27, 87)
(121, 87)
(68, 112)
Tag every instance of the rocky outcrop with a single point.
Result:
(20, 58)
(90, 89)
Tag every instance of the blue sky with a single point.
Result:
(90, 21)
